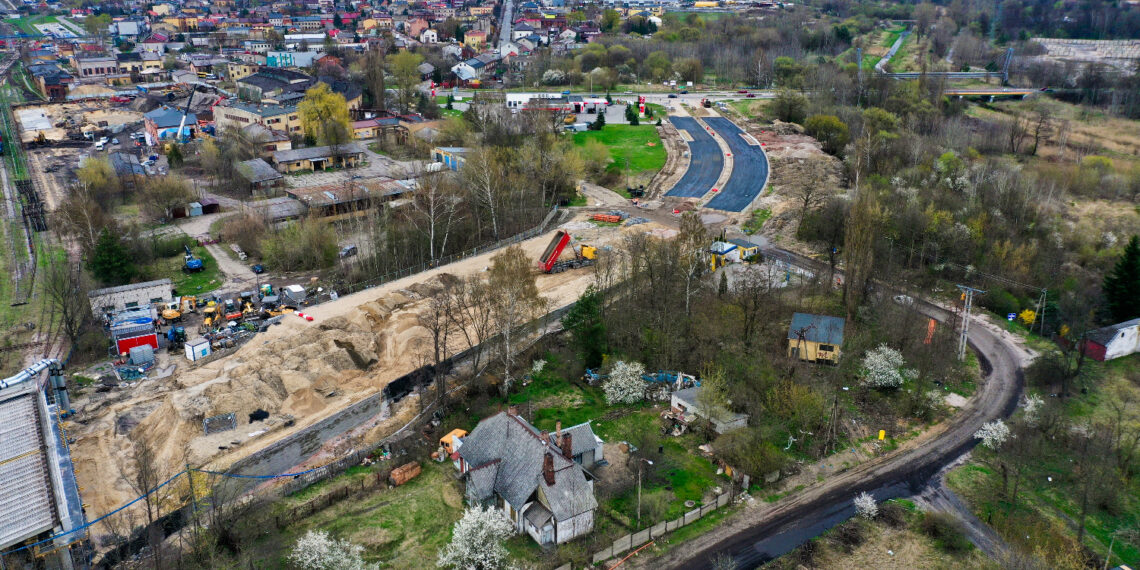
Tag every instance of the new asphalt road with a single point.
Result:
(705, 161)
(749, 168)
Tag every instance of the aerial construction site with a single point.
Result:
(299, 372)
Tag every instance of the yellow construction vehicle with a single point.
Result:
(188, 304)
(171, 312)
(210, 317)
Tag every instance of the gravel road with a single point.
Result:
(765, 531)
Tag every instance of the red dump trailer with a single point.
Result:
(553, 251)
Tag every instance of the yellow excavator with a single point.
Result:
(172, 312)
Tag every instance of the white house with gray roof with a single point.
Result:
(534, 477)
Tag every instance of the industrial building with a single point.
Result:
(107, 302)
(39, 497)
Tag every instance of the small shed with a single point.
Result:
(142, 354)
(722, 253)
(195, 209)
(745, 248)
(686, 404)
(197, 349)
(451, 442)
(210, 205)
(815, 338)
(260, 175)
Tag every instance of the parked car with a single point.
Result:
(257, 268)
(347, 251)
(115, 141)
(684, 92)
(672, 95)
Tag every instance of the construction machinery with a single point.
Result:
(209, 318)
(176, 338)
(706, 103)
(584, 255)
(272, 307)
(232, 310)
(192, 264)
(171, 312)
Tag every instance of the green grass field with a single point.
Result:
(189, 283)
(27, 25)
(640, 145)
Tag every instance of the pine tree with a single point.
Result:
(110, 262)
(631, 114)
(1122, 286)
(599, 122)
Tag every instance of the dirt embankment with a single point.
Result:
(299, 372)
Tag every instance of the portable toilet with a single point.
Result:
(195, 209)
(197, 349)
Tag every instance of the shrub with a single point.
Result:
(946, 532)
(304, 245)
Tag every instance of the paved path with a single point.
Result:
(749, 172)
(705, 160)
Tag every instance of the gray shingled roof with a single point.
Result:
(519, 450)
(257, 170)
(316, 152)
(1103, 336)
(582, 438)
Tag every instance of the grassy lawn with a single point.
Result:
(27, 25)
(188, 283)
(640, 145)
(399, 528)
(751, 108)
(757, 220)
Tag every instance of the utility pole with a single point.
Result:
(639, 466)
(968, 297)
(1040, 313)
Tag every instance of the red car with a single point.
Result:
(742, 91)
(750, 96)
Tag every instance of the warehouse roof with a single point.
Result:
(131, 287)
(257, 170)
(817, 328)
(316, 152)
(26, 501)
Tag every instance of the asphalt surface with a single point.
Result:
(760, 534)
(749, 168)
(705, 161)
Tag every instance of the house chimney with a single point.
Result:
(568, 446)
(548, 468)
(558, 433)
(513, 410)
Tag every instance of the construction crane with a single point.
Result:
(584, 255)
(182, 124)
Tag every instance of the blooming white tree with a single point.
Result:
(625, 385)
(537, 366)
(993, 434)
(865, 506)
(316, 550)
(883, 368)
(477, 540)
(1032, 408)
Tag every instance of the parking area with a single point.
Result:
(705, 160)
(749, 168)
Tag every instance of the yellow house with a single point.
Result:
(815, 338)
(240, 70)
(276, 117)
(474, 39)
(182, 23)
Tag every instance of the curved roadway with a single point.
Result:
(749, 168)
(757, 535)
(705, 161)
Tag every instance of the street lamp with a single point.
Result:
(640, 459)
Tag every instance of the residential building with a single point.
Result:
(319, 158)
(236, 71)
(98, 66)
(52, 80)
(815, 338)
(271, 140)
(1113, 341)
(238, 114)
(429, 36)
(475, 39)
(511, 465)
(291, 58)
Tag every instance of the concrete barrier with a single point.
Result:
(564, 567)
(671, 526)
(621, 545)
(692, 516)
(658, 530)
(603, 555)
(639, 538)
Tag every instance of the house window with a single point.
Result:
(131, 305)
(826, 348)
(154, 300)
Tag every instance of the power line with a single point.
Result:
(968, 297)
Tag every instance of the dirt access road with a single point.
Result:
(763, 531)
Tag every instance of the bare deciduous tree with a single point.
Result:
(66, 290)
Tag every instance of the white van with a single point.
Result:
(99, 145)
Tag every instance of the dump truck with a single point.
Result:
(404, 473)
(584, 255)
